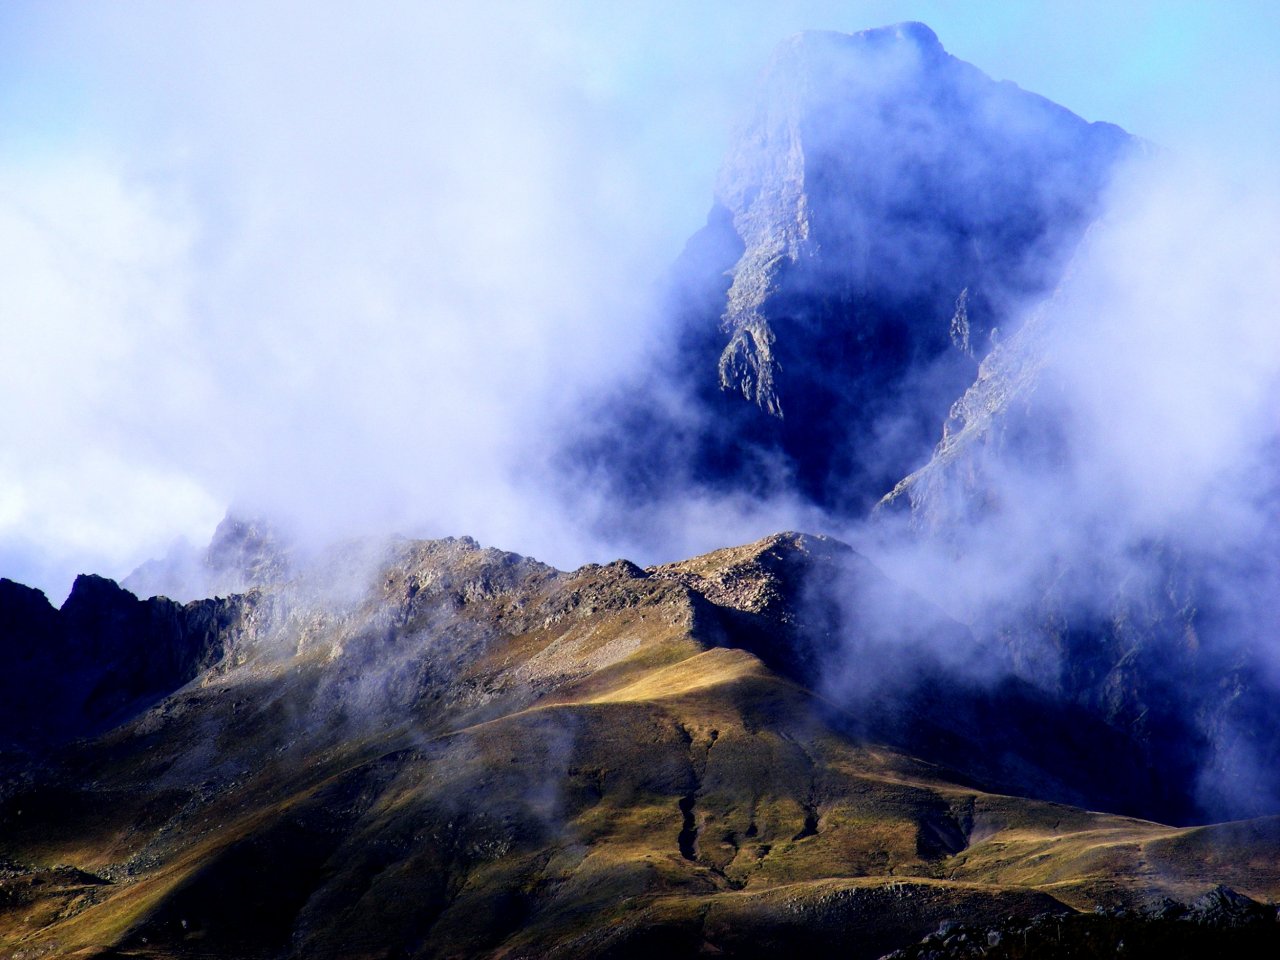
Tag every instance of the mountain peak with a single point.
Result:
(883, 208)
(90, 590)
(816, 64)
(908, 32)
(913, 30)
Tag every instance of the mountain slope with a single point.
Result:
(1158, 628)
(103, 656)
(480, 755)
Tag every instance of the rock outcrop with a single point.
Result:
(101, 658)
(245, 552)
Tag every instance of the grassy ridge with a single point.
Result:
(485, 758)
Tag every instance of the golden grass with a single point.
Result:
(575, 804)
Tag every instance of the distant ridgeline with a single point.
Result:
(454, 751)
(877, 223)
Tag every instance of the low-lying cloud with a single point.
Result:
(344, 271)
(1154, 391)
(1107, 504)
(363, 272)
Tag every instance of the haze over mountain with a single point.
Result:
(476, 754)
(1041, 680)
(1148, 597)
(885, 210)
(293, 251)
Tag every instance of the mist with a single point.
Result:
(341, 273)
(359, 274)
(1153, 390)
(1102, 513)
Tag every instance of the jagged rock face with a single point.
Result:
(884, 210)
(396, 623)
(245, 552)
(409, 618)
(879, 168)
(102, 657)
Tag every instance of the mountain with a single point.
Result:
(475, 754)
(434, 749)
(883, 212)
(245, 552)
(79, 670)
(1157, 632)
(884, 222)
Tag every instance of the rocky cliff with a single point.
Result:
(884, 209)
(102, 657)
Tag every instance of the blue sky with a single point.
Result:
(281, 254)
(1178, 72)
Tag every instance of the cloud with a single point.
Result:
(357, 268)
(1106, 504)
(345, 271)
(96, 329)
(1152, 407)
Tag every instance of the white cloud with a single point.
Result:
(350, 266)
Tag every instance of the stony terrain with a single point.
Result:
(475, 754)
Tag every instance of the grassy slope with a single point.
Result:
(575, 772)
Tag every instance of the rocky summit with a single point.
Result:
(475, 754)
(882, 215)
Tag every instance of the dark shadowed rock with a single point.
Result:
(101, 658)
(884, 209)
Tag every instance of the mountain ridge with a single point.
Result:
(482, 754)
